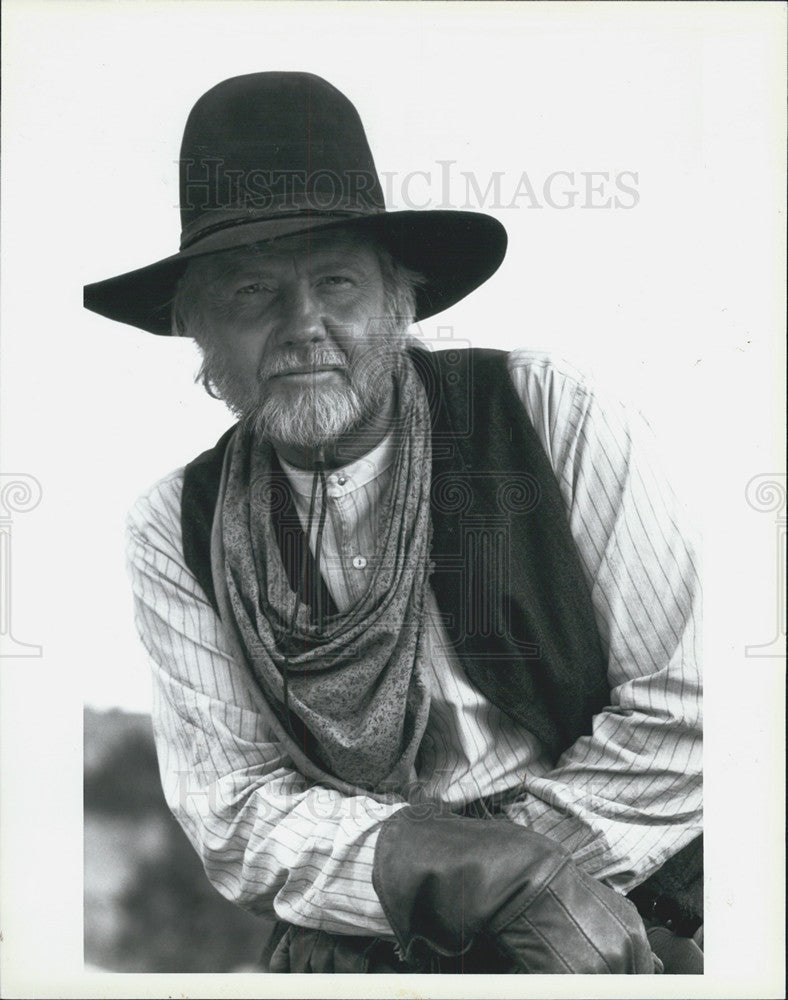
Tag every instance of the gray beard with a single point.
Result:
(317, 416)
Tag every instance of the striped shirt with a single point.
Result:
(622, 799)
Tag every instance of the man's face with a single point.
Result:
(295, 335)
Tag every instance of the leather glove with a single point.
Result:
(502, 896)
(301, 949)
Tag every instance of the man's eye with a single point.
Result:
(256, 288)
(336, 281)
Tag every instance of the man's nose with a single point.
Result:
(302, 319)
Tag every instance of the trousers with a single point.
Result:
(299, 949)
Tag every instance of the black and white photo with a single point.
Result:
(422, 403)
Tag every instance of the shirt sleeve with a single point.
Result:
(270, 840)
(628, 796)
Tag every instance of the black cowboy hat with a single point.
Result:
(278, 154)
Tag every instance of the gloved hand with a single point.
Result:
(509, 899)
(301, 949)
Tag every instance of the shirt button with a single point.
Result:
(341, 480)
(359, 562)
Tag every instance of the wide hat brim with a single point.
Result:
(454, 251)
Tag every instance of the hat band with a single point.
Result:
(216, 220)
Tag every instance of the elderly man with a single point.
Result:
(423, 625)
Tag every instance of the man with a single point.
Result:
(423, 626)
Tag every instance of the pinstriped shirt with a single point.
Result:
(622, 799)
(471, 748)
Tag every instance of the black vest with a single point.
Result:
(507, 577)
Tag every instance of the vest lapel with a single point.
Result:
(507, 578)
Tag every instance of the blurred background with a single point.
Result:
(148, 905)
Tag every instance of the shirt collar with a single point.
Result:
(350, 477)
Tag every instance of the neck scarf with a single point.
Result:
(349, 688)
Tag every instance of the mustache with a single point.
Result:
(314, 359)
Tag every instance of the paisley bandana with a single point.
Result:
(347, 691)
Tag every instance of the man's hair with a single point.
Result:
(400, 284)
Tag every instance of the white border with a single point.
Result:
(689, 321)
